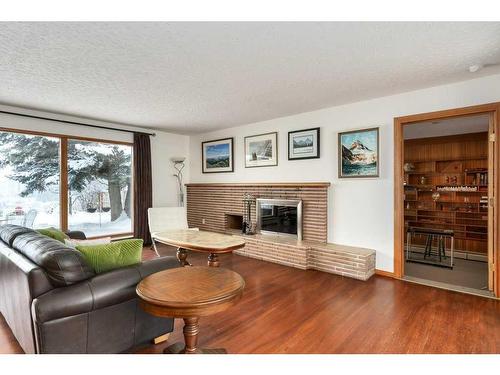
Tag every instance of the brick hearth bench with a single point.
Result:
(355, 262)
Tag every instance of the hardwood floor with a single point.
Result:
(286, 310)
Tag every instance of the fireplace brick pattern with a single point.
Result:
(209, 204)
(213, 201)
(354, 262)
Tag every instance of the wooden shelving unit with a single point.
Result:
(460, 178)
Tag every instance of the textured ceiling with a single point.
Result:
(194, 77)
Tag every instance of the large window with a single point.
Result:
(99, 187)
(96, 193)
(29, 180)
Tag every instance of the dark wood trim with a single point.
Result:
(318, 141)
(63, 185)
(491, 108)
(449, 113)
(203, 155)
(398, 200)
(385, 273)
(116, 236)
(492, 175)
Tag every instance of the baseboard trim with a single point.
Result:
(385, 273)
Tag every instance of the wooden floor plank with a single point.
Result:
(287, 310)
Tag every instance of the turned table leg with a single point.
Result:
(190, 330)
(181, 257)
(213, 260)
(190, 344)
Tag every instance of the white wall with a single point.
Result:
(360, 210)
(163, 146)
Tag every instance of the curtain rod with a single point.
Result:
(75, 123)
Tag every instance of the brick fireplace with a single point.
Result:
(216, 207)
(219, 208)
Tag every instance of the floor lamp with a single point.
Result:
(179, 166)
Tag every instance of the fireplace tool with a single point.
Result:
(248, 202)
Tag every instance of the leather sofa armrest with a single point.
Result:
(148, 267)
(38, 282)
(118, 286)
(62, 302)
(100, 291)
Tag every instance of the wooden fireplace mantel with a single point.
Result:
(271, 184)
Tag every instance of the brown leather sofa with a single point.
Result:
(54, 302)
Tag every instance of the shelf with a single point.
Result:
(441, 223)
(444, 160)
(455, 166)
(443, 185)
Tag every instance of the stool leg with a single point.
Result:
(440, 240)
(443, 246)
(428, 244)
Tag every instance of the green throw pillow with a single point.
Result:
(107, 257)
(54, 233)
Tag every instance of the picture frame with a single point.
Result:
(218, 156)
(261, 150)
(304, 144)
(359, 153)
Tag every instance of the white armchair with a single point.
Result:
(161, 219)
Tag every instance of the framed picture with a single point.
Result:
(261, 150)
(217, 156)
(303, 144)
(359, 153)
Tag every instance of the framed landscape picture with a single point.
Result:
(303, 144)
(217, 156)
(261, 150)
(359, 153)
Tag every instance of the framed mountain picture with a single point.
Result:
(303, 144)
(217, 156)
(261, 150)
(359, 153)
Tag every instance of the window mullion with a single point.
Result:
(63, 196)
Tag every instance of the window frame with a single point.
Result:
(63, 173)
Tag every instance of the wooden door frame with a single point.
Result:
(493, 109)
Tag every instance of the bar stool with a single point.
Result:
(440, 246)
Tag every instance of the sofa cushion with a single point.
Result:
(9, 232)
(107, 257)
(73, 243)
(63, 265)
(54, 233)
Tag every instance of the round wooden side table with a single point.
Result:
(190, 293)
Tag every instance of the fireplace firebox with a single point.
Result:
(279, 216)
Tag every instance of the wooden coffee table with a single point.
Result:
(201, 241)
(190, 293)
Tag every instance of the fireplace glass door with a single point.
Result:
(280, 216)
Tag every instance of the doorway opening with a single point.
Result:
(445, 198)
